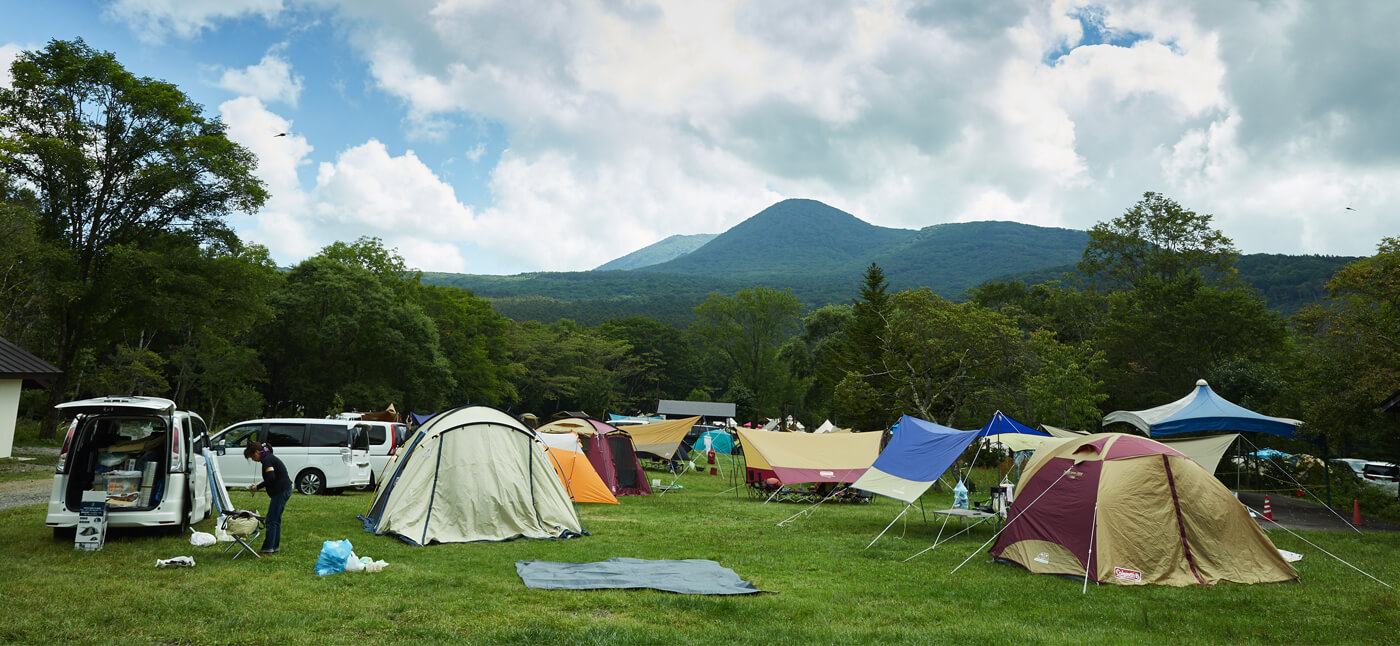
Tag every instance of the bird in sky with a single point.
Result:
(283, 134)
(1348, 208)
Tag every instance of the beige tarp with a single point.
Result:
(1015, 441)
(1206, 451)
(568, 425)
(660, 438)
(1061, 432)
(473, 474)
(808, 451)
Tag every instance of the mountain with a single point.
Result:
(672, 247)
(792, 238)
(821, 253)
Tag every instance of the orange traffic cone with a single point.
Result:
(1268, 511)
(1300, 493)
(1355, 512)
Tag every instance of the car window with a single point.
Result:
(359, 438)
(240, 435)
(326, 435)
(400, 434)
(286, 435)
(377, 435)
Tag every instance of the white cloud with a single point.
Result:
(271, 80)
(153, 20)
(8, 53)
(630, 121)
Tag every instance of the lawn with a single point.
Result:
(826, 589)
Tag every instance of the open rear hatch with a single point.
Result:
(120, 445)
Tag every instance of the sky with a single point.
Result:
(499, 137)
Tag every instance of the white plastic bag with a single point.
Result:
(354, 564)
(179, 561)
(202, 539)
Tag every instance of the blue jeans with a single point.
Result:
(272, 536)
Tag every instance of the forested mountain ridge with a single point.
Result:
(790, 237)
(819, 252)
(672, 247)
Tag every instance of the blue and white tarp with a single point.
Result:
(915, 457)
(1202, 410)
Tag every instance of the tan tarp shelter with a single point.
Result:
(472, 474)
(810, 457)
(660, 439)
(1128, 510)
(1206, 451)
(579, 477)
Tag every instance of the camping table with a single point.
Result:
(964, 514)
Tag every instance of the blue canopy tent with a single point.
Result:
(1202, 410)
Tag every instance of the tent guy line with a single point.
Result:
(1295, 535)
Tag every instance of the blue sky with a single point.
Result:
(494, 136)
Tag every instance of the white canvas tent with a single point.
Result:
(472, 474)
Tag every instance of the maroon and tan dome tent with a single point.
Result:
(1131, 511)
(609, 450)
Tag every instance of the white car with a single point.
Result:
(321, 454)
(139, 450)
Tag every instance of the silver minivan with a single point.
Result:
(321, 455)
(142, 452)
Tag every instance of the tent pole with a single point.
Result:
(1327, 470)
(1089, 559)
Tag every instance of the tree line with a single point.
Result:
(120, 268)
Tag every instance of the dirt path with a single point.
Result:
(1296, 513)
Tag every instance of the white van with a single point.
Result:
(140, 450)
(321, 454)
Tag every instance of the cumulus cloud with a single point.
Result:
(628, 120)
(270, 80)
(155, 20)
(8, 53)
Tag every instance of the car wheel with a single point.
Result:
(365, 487)
(311, 482)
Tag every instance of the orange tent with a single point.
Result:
(579, 477)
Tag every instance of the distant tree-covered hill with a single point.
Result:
(820, 253)
(791, 237)
(668, 249)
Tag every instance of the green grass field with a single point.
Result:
(826, 589)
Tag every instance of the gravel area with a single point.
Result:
(20, 493)
(1296, 513)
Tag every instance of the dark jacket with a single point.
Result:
(275, 481)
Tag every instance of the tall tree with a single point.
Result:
(748, 329)
(1156, 237)
(473, 340)
(114, 158)
(1351, 355)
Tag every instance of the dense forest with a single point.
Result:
(120, 268)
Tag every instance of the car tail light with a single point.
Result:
(67, 443)
(177, 463)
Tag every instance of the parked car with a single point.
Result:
(384, 439)
(140, 450)
(321, 455)
(1381, 472)
(1356, 465)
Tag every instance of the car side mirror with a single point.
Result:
(220, 448)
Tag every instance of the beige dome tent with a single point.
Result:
(472, 474)
(1131, 511)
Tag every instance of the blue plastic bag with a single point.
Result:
(333, 557)
(960, 496)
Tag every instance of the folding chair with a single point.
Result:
(243, 526)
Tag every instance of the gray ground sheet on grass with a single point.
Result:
(689, 576)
